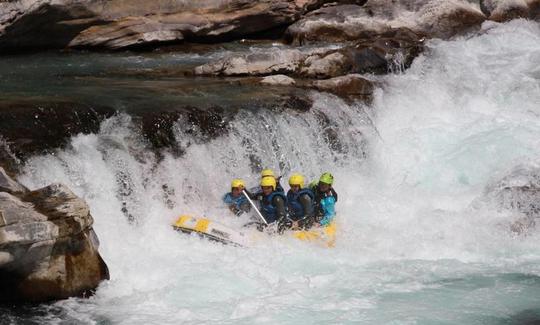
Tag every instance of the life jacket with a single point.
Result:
(296, 210)
(268, 209)
(237, 201)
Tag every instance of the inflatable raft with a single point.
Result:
(206, 228)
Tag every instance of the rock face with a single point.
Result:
(503, 10)
(120, 24)
(48, 249)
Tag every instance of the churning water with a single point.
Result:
(420, 241)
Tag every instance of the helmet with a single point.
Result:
(269, 181)
(237, 183)
(296, 179)
(326, 178)
(267, 172)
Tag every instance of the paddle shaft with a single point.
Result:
(254, 207)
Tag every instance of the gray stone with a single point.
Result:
(278, 80)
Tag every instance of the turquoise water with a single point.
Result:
(421, 239)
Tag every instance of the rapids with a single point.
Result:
(419, 240)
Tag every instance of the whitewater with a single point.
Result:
(421, 238)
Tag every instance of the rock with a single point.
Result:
(335, 24)
(326, 65)
(48, 249)
(309, 5)
(277, 61)
(345, 23)
(31, 126)
(504, 10)
(120, 24)
(278, 80)
(9, 185)
(446, 18)
(352, 85)
(519, 193)
(390, 51)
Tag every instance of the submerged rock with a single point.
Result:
(48, 249)
(519, 192)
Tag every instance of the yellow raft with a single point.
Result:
(325, 236)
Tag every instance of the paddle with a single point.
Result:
(254, 207)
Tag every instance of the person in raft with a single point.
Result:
(235, 200)
(273, 203)
(300, 202)
(325, 199)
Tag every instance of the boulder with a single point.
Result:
(278, 80)
(326, 65)
(446, 18)
(48, 249)
(345, 23)
(352, 85)
(504, 10)
(118, 24)
(336, 24)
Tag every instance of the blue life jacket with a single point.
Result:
(328, 207)
(296, 210)
(237, 201)
(268, 209)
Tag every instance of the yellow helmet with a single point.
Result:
(296, 179)
(237, 183)
(267, 172)
(269, 181)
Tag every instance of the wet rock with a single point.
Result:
(278, 80)
(352, 85)
(120, 24)
(48, 249)
(504, 10)
(203, 124)
(31, 127)
(390, 51)
(519, 193)
(7, 184)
